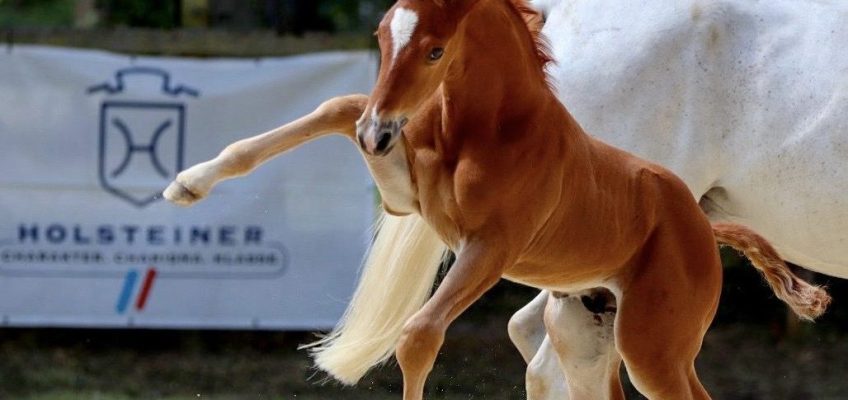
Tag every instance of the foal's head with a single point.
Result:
(419, 39)
(417, 43)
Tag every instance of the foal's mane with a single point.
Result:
(534, 23)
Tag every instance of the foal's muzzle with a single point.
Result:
(377, 137)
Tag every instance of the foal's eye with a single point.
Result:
(436, 54)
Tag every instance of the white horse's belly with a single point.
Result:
(795, 197)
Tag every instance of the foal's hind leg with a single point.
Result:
(337, 115)
(666, 303)
(580, 328)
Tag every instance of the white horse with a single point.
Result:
(746, 101)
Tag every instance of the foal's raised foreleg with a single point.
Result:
(478, 267)
(337, 115)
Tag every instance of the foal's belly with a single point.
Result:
(559, 278)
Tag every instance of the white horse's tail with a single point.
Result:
(396, 281)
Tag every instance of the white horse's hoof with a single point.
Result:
(179, 194)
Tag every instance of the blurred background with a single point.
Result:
(755, 350)
(195, 27)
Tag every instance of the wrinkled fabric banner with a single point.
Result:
(88, 140)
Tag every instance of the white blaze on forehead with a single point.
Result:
(403, 25)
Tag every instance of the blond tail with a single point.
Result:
(806, 300)
(396, 280)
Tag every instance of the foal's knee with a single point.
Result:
(237, 159)
(419, 342)
(348, 106)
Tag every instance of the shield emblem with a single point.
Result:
(141, 148)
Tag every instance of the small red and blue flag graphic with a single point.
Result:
(129, 289)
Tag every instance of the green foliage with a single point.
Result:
(36, 13)
(335, 15)
(141, 13)
(353, 15)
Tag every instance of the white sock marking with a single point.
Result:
(403, 25)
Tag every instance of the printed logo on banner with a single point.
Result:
(141, 140)
(141, 135)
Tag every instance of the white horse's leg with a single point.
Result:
(544, 379)
(337, 115)
(527, 327)
(545, 376)
(576, 358)
(580, 330)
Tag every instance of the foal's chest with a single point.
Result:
(456, 196)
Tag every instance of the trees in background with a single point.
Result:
(284, 16)
(165, 14)
(36, 13)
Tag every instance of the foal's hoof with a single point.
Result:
(180, 195)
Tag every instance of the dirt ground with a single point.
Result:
(746, 356)
(736, 364)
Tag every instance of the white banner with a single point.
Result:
(88, 140)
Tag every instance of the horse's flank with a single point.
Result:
(720, 94)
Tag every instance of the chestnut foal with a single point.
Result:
(463, 133)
